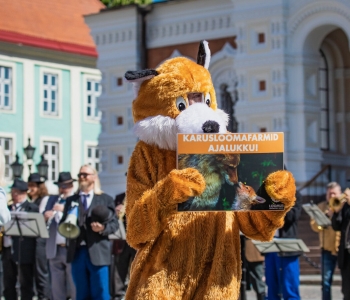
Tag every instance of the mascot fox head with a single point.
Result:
(178, 97)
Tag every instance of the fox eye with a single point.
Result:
(207, 99)
(181, 103)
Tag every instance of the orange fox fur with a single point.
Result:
(191, 255)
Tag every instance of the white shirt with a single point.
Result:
(43, 203)
(5, 215)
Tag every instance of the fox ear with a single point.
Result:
(203, 56)
(138, 77)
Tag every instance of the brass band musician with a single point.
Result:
(341, 222)
(329, 240)
(56, 251)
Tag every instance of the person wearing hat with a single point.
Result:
(62, 284)
(38, 193)
(11, 256)
(90, 252)
(37, 190)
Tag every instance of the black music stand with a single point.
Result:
(318, 215)
(25, 224)
(281, 246)
(322, 222)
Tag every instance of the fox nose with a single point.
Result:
(211, 127)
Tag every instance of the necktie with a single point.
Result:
(84, 200)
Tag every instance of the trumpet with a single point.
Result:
(336, 202)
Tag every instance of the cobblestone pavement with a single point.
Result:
(308, 292)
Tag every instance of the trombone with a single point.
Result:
(336, 202)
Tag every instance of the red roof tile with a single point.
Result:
(58, 22)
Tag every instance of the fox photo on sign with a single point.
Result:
(234, 166)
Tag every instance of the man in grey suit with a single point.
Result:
(90, 252)
(56, 251)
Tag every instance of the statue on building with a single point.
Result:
(227, 104)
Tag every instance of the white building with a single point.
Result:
(287, 60)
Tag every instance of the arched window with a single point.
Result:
(227, 105)
(323, 90)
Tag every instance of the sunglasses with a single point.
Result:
(84, 175)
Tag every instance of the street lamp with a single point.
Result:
(29, 152)
(42, 167)
(17, 168)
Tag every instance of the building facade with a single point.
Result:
(49, 87)
(277, 65)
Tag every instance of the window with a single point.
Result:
(93, 91)
(262, 85)
(93, 157)
(7, 146)
(263, 129)
(119, 121)
(5, 87)
(51, 152)
(50, 94)
(119, 81)
(324, 99)
(261, 38)
(118, 160)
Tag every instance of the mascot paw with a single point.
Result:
(280, 186)
(186, 183)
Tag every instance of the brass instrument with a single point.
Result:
(336, 202)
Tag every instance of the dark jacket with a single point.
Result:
(290, 227)
(51, 246)
(27, 245)
(98, 244)
(340, 222)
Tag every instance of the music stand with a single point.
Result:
(25, 224)
(318, 215)
(322, 221)
(281, 246)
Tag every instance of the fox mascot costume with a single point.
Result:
(191, 255)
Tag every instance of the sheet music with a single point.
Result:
(26, 224)
(281, 245)
(318, 215)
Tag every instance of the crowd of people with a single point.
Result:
(94, 265)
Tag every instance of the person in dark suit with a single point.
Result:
(341, 222)
(62, 286)
(123, 253)
(25, 257)
(90, 252)
(38, 194)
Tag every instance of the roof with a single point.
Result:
(57, 25)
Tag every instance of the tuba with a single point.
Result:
(336, 202)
